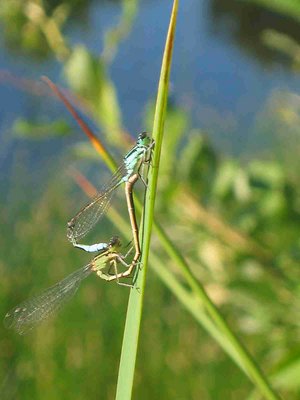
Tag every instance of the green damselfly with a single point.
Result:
(128, 173)
(29, 313)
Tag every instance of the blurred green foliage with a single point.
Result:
(88, 78)
(31, 27)
(28, 129)
(285, 7)
(237, 224)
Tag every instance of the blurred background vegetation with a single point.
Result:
(232, 141)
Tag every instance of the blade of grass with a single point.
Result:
(245, 359)
(135, 304)
(99, 146)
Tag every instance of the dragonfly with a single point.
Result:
(128, 172)
(29, 313)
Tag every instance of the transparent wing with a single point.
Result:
(29, 313)
(89, 215)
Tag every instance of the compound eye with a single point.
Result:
(114, 240)
(142, 135)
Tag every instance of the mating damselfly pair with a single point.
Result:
(29, 313)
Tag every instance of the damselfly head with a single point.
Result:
(143, 139)
(115, 242)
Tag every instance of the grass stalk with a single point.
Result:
(135, 305)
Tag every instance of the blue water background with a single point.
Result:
(221, 84)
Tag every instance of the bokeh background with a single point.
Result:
(232, 142)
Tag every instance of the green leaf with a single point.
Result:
(87, 76)
(40, 130)
(83, 73)
(288, 376)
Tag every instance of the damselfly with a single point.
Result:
(26, 315)
(128, 173)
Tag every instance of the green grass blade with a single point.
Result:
(135, 305)
(239, 352)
